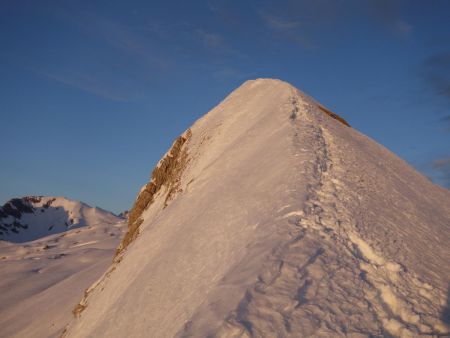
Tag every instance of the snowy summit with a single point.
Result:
(32, 217)
(272, 217)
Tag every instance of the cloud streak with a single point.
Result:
(446, 122)
(135, 44)
(108, 59)
(436, 72)
(279, 23)
(298, 21)
(211, 41)
(87, 83)
(442, 166)
(389, 13)
(301, 20)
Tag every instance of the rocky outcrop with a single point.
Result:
(167, 175)
(124, 214)
(333, 115)
(12, 211)
(15, 207)
(166, 179)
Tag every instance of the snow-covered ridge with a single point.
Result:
(32, 217)
(286, 223)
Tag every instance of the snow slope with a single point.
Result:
(32, 217)
(42, 281)
(270, 217)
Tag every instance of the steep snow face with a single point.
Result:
(32, 217)
(42, 281)
(285, 223)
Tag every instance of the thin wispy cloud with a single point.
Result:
(436, 72)
(278, 23)
(441, 163)
(284, 28)
(402, 28)
(442, 166)
(298, 22)
(86, 83)
(446, 122)
(228, 73)
(210, 40)
(215, 43)
(230, 13)
(119, 59)
(389, 13)
(132, 42)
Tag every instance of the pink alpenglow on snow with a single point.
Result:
(281, 221)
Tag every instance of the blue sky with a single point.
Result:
(92, 93)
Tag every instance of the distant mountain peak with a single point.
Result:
(31, 217)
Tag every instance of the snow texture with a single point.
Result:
(288, 223)
(42, 281)
(32, 217)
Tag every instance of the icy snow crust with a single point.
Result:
(289, 224)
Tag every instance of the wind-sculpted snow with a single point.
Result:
(287, 223)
